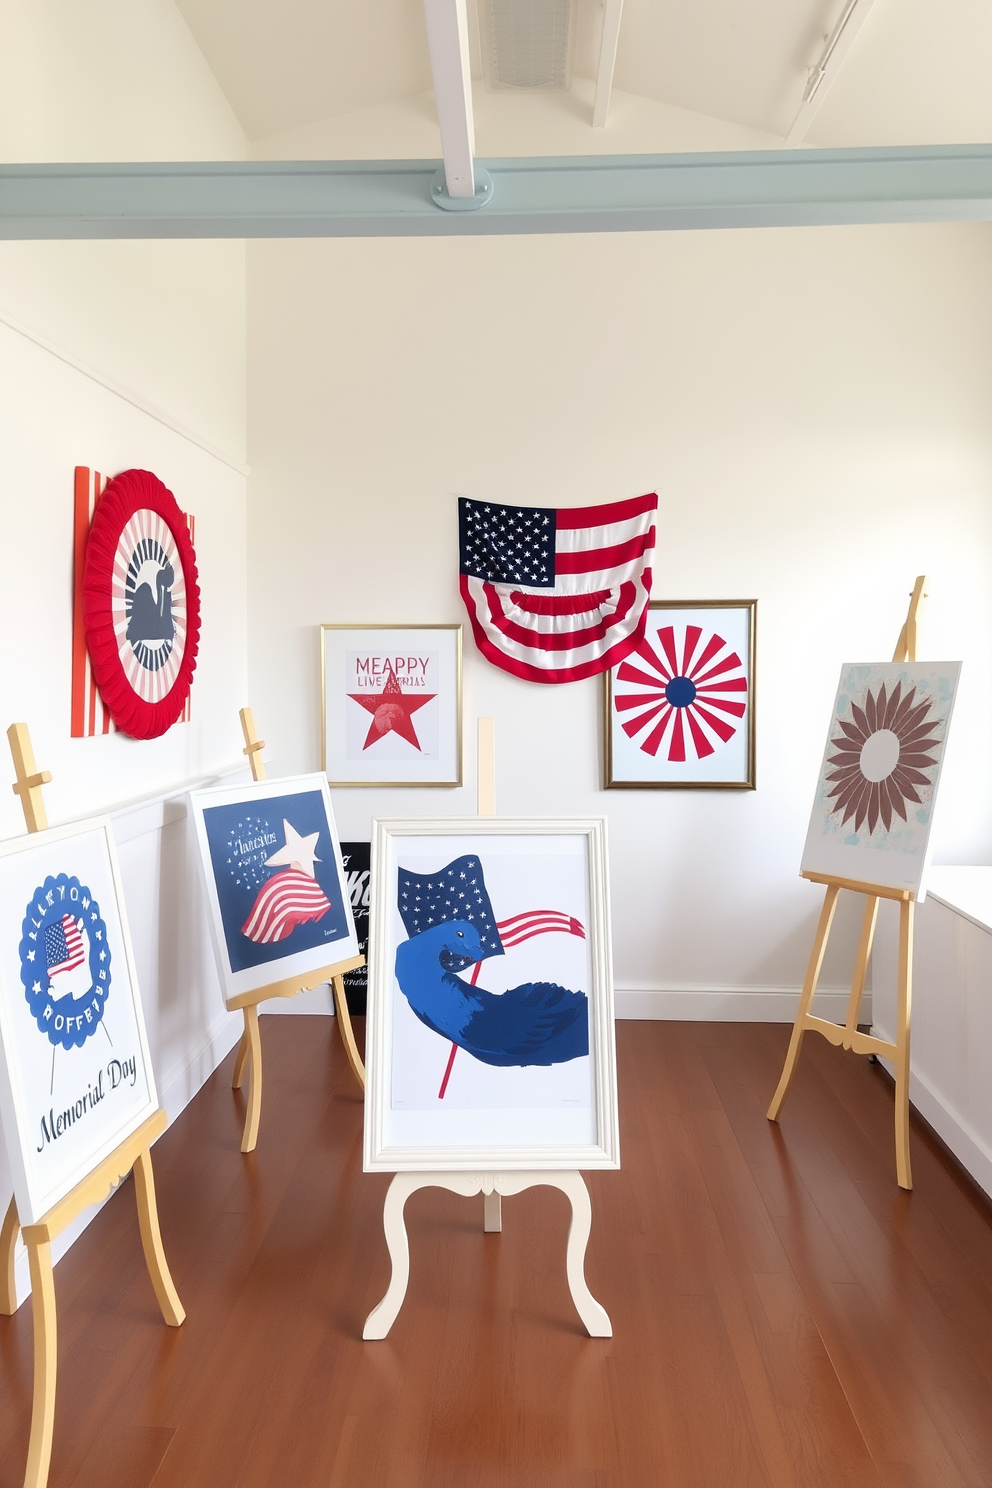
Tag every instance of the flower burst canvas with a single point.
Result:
(873, 810)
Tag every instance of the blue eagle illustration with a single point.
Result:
(449, 920)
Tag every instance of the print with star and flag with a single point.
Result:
(393, 710)
(276, 877)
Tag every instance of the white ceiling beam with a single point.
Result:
(447, 36)
(607, 61)
(818, 84)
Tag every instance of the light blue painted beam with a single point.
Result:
(382, 198)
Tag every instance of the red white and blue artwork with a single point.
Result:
(680, 708)
(556, 594)
(140, 604)
(275, 882)
(391, 704)
(490, 1033)
(873, 810)
(492, 970)
(75, 1076)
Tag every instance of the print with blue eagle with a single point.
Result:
(450, 923)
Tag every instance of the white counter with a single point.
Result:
(951, 1049)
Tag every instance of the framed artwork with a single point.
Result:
(391, 704)
(490, 1039)
(75, 1074)
(875, 796)
(276, 890)
(680, 707)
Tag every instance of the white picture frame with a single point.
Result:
(885, 744)
(247, 834)
(76, 1077)
(531, 1112)
(414, 736)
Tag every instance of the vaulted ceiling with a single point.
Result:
(918, 72)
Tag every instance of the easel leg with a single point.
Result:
(382, 1317)
(904, 1172)
(860, 969)
(45, 1363)
(8, 1244)
(492, 1216)
(346, 1030)
(593, 1314)
(241, 1061)
(151, 1242)
(809, 987)
(250, 1134)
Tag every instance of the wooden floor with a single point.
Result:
(783, 1314)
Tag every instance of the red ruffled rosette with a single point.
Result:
(141, 604)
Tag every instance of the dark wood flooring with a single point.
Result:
(783, 1313)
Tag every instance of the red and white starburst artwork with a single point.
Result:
(685, 692)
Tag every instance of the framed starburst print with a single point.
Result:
(873, 809)
(390, 704)
(680, 707)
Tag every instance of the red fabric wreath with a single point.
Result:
(127, 495)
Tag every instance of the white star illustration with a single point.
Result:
(299, 852)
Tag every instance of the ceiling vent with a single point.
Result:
(527, 43)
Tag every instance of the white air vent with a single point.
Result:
(527, 43)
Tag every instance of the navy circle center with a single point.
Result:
(680, 692)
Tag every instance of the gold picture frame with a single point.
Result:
(680, 735)
(403, 760)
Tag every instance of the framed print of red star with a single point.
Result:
(392, 711)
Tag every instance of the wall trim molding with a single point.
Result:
(23, 328)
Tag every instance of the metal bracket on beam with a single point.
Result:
(483, 192)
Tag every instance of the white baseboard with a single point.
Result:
(731, 1004)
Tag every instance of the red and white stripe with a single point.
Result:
(289, 899)
(596, 613)
(74, 946)
(537, 922)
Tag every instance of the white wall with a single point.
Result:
(115, 355)
(811, 405)
(163, 323)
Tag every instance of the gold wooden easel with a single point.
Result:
(846, 1035)
(249, 1056)
(134, 1154)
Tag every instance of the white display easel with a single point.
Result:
(491, 1185)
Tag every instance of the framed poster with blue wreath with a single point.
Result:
(75, 1073)
(276, 888)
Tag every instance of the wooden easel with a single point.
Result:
(846, 1035)
(134, 1154)
(491, 1185)
(249, 1056)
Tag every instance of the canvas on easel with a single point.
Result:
(869, 834)
(491, 957)
(877, 788)
(279, 904)
(77, 1091)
